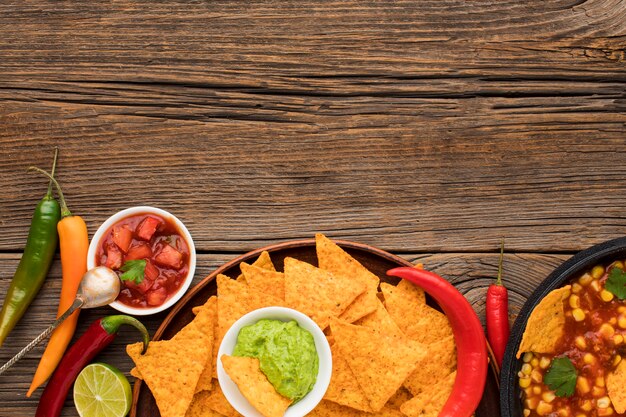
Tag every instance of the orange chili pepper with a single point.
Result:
(74, 243)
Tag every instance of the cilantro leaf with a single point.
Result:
(133, 270)
(616, 283)
(561, 377)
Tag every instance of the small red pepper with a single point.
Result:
(98, 336)
(471, 346)
(497, 314)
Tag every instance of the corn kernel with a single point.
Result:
(544, 362)
(603, 402)
(582, 385)
(621, 321)
(616, 360)
(600, 381)
(595, 285)
(585, 280)
(618, 339)
(597, 391)
(618, 264)
(534, 362)
(577, 415)
(605, 411)
(613, 321)
(586, 405)
(606, 330)
(579, 314)
(536, 376)
(597, 271)
(606, 295)
(574, 301)
(524, 383)
(589, 358)
(621, 309)
(543, 408)
(527, 357)
(526, 412)
(526, 368)
(531, 403)
(548, 396)
(581, 343)
(564, 412)
(536, 390)
(529, 391)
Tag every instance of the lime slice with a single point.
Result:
(102, 391)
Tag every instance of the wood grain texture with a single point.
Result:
(417, 126)
(471, 273)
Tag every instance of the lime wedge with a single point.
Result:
(101, 390)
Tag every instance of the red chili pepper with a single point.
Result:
(497, 314)
(471, 346)
(98, 336)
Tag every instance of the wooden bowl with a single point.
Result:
(510, 396)
(376, 260)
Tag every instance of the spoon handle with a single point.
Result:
(78, 303)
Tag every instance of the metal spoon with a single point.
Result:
(99, 286)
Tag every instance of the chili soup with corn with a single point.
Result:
(573, 346)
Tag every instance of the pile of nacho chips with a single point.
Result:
(393, 355)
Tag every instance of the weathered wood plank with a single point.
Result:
(547, 185)
(472, 273)
(298, 46)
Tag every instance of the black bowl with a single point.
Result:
(510, 399)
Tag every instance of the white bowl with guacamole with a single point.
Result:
(293, 353)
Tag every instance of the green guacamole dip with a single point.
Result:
(286, 352)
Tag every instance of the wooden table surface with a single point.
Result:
(430, 129)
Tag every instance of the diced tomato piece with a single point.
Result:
(122, 236)
(114, 257)
(140, 251)
(156, 297)
(145, 230)
(170, 257)
(142, 287)
(151, 272)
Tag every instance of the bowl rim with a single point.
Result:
(510, 405)
(324, 354)
(109, 222)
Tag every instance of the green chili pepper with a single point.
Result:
(35, 263)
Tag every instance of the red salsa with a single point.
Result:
(161, 250)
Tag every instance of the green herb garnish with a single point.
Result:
(616, 283)
(133, 271)
(561, 377)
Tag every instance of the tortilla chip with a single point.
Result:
(205, 381)
(343, 388)
(440, 360)
(381, 322)
(263, 261)
(615, 383)
(417, 320)
(235, 299)
(331, 409)
(171, 368)
(199, 407)
(546, 324)
(400, 397)
(135, 372)
(318, 293)
(254, 385)
(430, 402)
(264, 280)
(380, 364)
(337, 261)
(218, 403)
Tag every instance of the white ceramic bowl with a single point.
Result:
(97, 238)
(309, 401)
